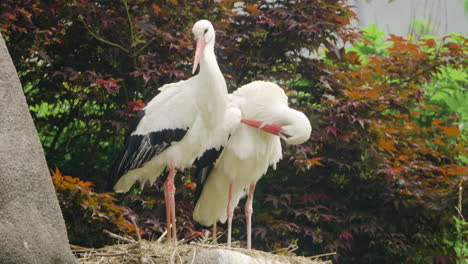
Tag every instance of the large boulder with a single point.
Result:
(32, 229)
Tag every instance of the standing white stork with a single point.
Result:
(176, 126)
(227, 174)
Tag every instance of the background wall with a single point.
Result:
(446, 15)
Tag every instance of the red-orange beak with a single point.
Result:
(270, 128)
(198, 53)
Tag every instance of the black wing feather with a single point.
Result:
(139, 149)
(204, 165)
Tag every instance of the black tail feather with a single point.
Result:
(204, 165)
(114, 172)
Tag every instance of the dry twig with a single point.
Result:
(162, 236)
(322, 255)
(194, 254)
(137, 230)
(172, 256)
(112, 235)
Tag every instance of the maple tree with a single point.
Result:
(386, 161)
(82, 61)
(87, 212)
(374, 183)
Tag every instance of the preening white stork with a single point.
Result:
(176, 126)
(226, 174)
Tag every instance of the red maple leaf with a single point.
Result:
(331, 129)
(137, 105)
(110, 86)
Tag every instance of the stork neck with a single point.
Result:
(214, 90)
(208, 64)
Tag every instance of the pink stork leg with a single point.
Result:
(230, 211)
(248, 215)
(215, 238)
(168, 212)
(169, 193)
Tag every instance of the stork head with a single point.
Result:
(296, 129)
(292, 126)
(204, 34)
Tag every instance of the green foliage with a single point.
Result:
(458, 240)
(459, 243)
(373, 42)
(422, 27)
(384, 159)
(449, 89)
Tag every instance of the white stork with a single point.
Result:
(226, 174)
(176, 126)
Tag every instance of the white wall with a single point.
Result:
(448, 15)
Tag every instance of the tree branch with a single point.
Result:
(144, 47)
(101, 39)
(129, 21)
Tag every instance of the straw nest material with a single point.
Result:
(156, 252)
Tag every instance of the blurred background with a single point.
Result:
(427, 17)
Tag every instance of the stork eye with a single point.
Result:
(206, 30)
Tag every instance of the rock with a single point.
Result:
(218, 256)
(223, 256)
(32, 229)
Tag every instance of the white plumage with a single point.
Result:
(249, 151)
(178, 106)
(177, 125)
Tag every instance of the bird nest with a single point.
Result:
(157, 252)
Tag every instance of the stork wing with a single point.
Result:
(166, 119)
(204, 165)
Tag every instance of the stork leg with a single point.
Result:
(172, 190)
(169, 187)
(230, 211)
(248, 215)
(168, 212)
(215, 238)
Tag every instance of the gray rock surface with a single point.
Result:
(32, 229)
(217, 256)
(222, 256)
